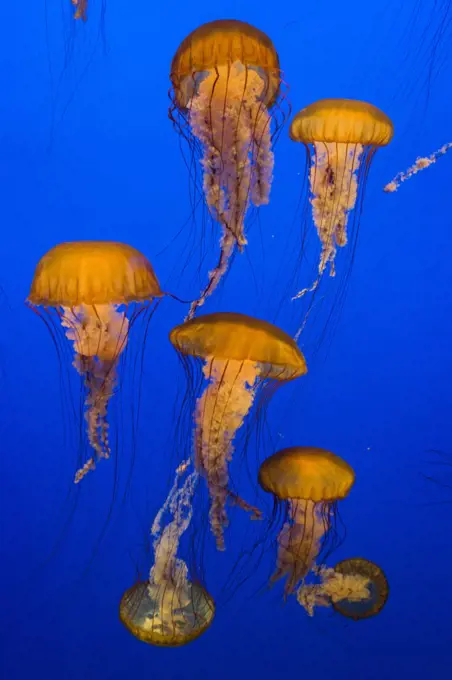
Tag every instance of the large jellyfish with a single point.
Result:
(225, 101)
(341, 137)
(88, 288)
(310, 480)
(168, 609)
(240, 354)
(356, 588)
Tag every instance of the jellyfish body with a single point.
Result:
(90, 285)
(80, 9)
(340, 136)
(310, 481)
(240, 353)
(356, 588)
(226, 82)
(169, 610)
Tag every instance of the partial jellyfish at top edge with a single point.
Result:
(91, 293)
(168, 609)
(240, 355)
(340, 137)
(309, 481)
(356, 588)
(227, 103)
(80, 9)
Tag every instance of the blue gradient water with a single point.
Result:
(377, 393)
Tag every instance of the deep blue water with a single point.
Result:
(87, 152)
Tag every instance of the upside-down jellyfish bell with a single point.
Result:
(227, 103)
(341, 137)
(240, 355)
(80, 9)
(94, 291)
(310, 481)
(356, 588)
(168, 609)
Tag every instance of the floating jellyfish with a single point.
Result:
(168, 609)
(356, 588)
(94, 291)
(341, 137)
(80, 9)
(310, 481)
(240, 354)
(227, 103)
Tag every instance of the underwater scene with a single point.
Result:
(225, 366)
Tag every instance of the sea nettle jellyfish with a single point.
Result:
(341, 137)
(168, 609)
(80, 9)
(309, 481)
(240, 355)
(356, 588)
(94, 291)
(227, 103)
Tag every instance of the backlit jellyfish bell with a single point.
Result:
(309, 481)
(356, 588)
(168, 609)
(341, 137)
(227, 103)
(93, 292)
(240, 354)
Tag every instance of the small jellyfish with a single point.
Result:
(356, 588)
(341, 137)
(310, 480)
(169, 610)
(80, 9)
(87, 288)
(240, 354)
(227, 103)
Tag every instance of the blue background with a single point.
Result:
(377, 393)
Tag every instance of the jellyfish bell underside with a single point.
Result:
(166, 615)
(224, 92)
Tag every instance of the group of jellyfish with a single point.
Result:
(227, 102)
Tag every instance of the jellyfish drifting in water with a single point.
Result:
(310, 481)
(167, 609)
(341, 137)
(227, 103)
(240, 355)
(94, 291)
(80, 9)
(356, 588)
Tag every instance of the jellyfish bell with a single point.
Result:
(240, 354)
(310, 481)
(341, 137)
(227, 103)
(377, 586)
(93, 292)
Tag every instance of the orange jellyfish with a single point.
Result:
(94, 291)
(341, 137)
(227, 103)
(240, 355)
(168, 609)
(310, 481)
(80, 9)
(356, 588)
